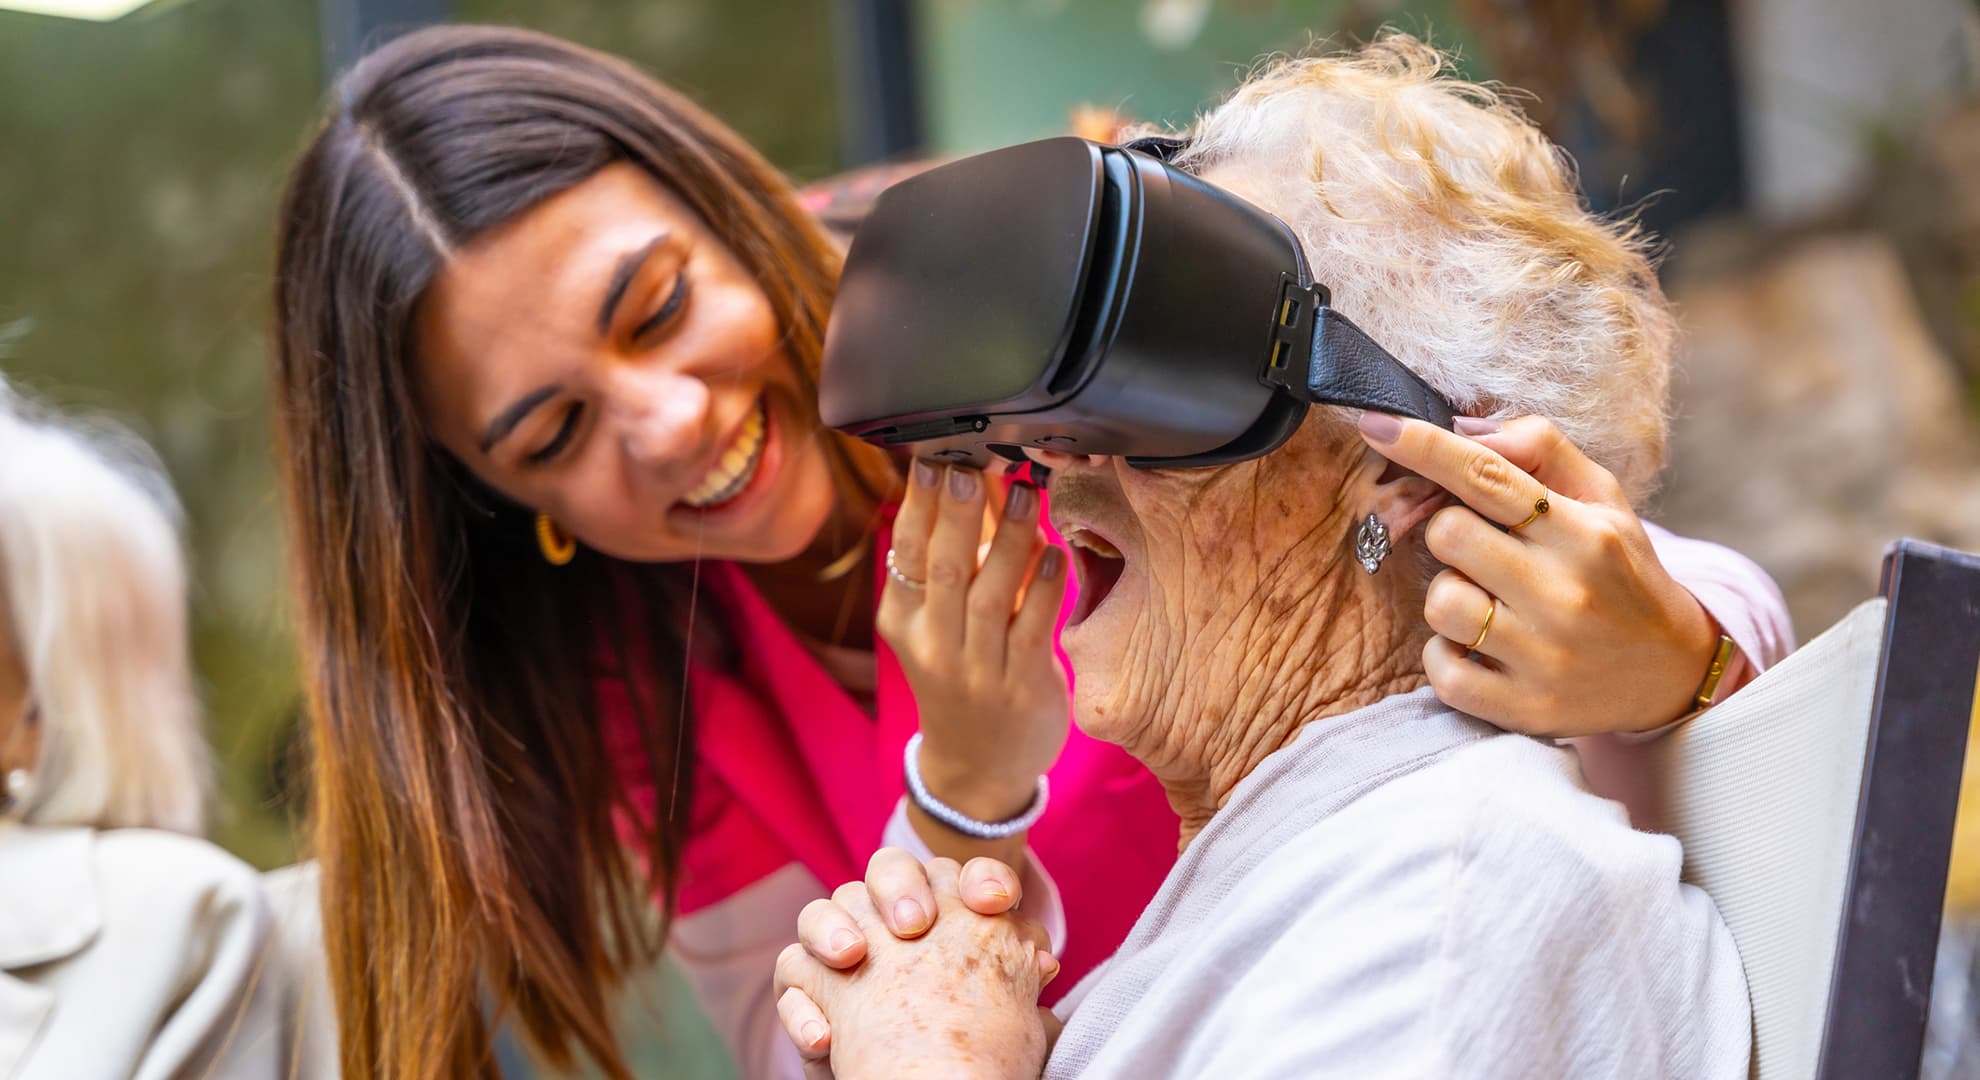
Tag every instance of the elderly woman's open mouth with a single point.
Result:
(1099, 565)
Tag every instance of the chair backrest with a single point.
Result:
(1816, 809)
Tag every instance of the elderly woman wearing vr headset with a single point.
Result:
(581, 574)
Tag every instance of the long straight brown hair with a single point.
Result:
(464, 802)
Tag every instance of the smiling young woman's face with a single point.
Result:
(606, 360)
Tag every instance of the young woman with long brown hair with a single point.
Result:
(588, 595)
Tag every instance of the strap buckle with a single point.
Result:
(1290, 358)
(1320, 357)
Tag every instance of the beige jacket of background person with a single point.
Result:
(133, 953)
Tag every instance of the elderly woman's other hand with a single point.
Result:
(1588, 634)
(959, 999)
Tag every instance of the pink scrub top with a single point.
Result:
(791, 769)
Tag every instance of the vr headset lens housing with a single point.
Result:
(1087, 298)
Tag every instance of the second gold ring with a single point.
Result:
(1491, 610)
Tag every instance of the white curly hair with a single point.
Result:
(1452, 231)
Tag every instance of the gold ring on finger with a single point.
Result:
(1491, 610)
(894, 571)
(1540, 507)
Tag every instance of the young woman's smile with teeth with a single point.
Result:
(737, 466)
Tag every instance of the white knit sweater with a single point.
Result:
(1406, 892)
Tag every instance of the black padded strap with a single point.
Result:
(1348, 368)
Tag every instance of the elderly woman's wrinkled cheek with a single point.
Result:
(1264, 545)
(1225, 557)
(1134, 702)
(1197, 628)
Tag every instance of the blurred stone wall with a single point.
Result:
(1816, 418)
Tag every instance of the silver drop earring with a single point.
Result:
(1371, 544)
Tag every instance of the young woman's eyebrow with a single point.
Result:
(622, 277)
(504, 423)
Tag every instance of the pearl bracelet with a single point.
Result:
(956, 819)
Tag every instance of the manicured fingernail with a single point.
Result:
(842, 941)
(1051, 564)
(962, 484)
(1476, 425)
(908, 916)
(1380, 426)
(926, 475)
(813, 1033)
(995, 889)
(1020, 500)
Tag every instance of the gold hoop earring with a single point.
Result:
(557, 546)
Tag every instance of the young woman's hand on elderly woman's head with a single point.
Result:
(959, 999)
(1589, 633)
(972, 629)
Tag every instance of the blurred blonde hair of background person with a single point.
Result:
(93, 581)
(129, 947)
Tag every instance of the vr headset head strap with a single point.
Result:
(1342, 365)
(1320, 356)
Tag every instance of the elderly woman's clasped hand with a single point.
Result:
(963, 993)
(1587, 632)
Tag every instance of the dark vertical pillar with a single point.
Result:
(879, 89)
(351, 27)
(1691, 165)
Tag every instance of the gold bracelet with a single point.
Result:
(1709, 689)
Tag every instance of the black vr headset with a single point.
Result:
(1092, 299)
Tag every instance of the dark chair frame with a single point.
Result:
(1880, 992)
